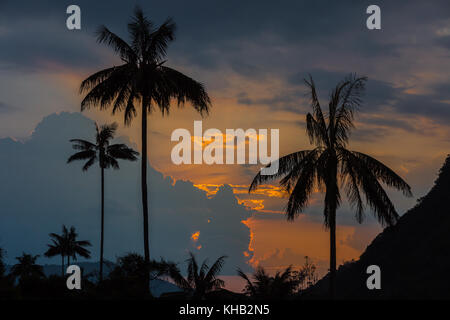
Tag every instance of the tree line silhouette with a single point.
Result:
(143, 80)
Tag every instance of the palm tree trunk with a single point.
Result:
(144, 191)
(62, 266)
(333, 252)
(144, 179)
(332, 198)
(102, 234)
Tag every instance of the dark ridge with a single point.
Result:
(413, 255)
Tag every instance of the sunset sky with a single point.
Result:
(252, 57)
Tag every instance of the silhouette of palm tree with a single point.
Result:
(330, 163)
(27, 268)
(199, 281)
(142, 78)
(76, 247)
(107, 155)
(264, 286)
(58, 247)
(68, 246)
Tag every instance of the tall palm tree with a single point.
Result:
(200, 280)
(331, 163)
(27, 268)
(107, 155)
(142, 79)
(264, 286)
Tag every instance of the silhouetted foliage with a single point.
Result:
(330, 163)
(307, 275)
(142, 79)
(129, 277)
(107, 155)
(27, 267)
(264, 286)
(68, 246)
(200, 280)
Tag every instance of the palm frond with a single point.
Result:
(376, 197)
(160, 40)
(384, 173)
(80, 144)
(249, 287)
(106, 132)
(350, 100)
(316, 132)
(89, 163)
(121, 151)
(120, 46)
(82, 155)
(299, 196)
(215, 269)
(285, 165)
(105, 92)
(171, 83)
(179, 280)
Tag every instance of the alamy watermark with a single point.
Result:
(208, 147)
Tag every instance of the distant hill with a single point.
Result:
(90, 270)
(413, 255)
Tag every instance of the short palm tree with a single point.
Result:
(264, 286)
(142, 79)
(67, 245)
(330, 163)
(27, 268)
(200, 280)
(58, 247)
(107, 155)
(76, 247)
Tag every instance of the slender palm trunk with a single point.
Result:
(144, 190)
(332, 198)
(144, 179)
(333, 253)
(102, 232)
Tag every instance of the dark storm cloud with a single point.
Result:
(211, 31)
(258, 40)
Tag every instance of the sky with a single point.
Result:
(252, 57)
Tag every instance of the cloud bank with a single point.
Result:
(39, 192)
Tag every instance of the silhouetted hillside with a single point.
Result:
(413, 255)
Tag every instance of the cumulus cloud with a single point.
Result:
(40, 192)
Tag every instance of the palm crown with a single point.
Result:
(200, 279)
(67, 245)
(102, 151)
(330, 162)
(142, 76)
(264, 286)
(27, 267)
